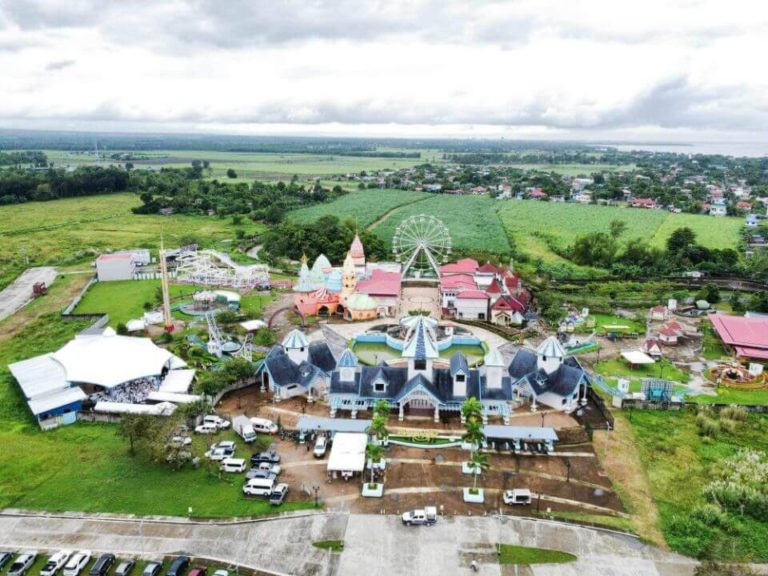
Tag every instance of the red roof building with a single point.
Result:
(747, 336)
(643, 203)
(472, 295)
(463, 266)
(381, 283)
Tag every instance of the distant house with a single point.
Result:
(752, 220)
(668, 336)
(652, 347)
(718, 208)
(649, 203)
(742, 205)
(120, 265)
(537, 194)
(472, 305)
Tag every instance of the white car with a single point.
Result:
(206, 428)
(268, 467)
(217, 421)
(77, 562)
(518, 496)
(55, 563)
(221, 450)
(321, 445)
(221, 572)
(22, 563)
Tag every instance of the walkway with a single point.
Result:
(374, 545)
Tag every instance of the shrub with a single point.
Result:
(706, 425)
(690, 536)
(737, 413)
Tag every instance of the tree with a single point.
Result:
(121, 328)
(712, 568)
(136, 428)
(478, 463)
(594, 249)
(231, 173)
(680, 240)
(374, 453)
(472, 409)
(710, 293)
(378, 426)
(617, 228)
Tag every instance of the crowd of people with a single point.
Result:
(133, 392)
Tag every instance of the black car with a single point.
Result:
(5, 557)
(152, 569)
(102, 566)
(272, 457)
(124, 568)
(178, 566)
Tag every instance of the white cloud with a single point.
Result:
(572, 68)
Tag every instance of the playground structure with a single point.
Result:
(657, 391)
(421, 244)
(211, 301)
(218, 345)
(210, 268)
(577, 345)
(738, 376)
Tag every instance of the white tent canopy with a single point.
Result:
(253, 325)
(347, 452)
(177, 381)
(172, 397)
(162, 409)
(637, 357)
(110, 360)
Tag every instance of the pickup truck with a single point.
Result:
(425, 517)
(244, 428)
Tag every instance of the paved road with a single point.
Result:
(374, 545)
(16, 295)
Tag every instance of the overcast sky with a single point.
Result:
(614, 69)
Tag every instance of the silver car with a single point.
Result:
(22, 563)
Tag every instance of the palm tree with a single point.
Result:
(478, 463)
(382, 407)
(474, 434)
(472, 409)
(374, 454)
(380, 417)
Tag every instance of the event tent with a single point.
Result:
(348, 452)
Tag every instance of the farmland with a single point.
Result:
(69, 231)
(535, 224)
(365, 206)
(252, 165)
(472, 221)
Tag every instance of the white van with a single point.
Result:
(264, 426)
(517, 496)
(259, 487)
(235, 465)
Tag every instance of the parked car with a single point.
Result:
(233, 465)
(125, 568)
(102, 565)
(55, 563)
(271, 456)
(259, 487)
(278, 494)
(152, 569)
(181, 441)
(77, 562)
(206, 429)
(517, 496)
(198, 571)
(259, 473)
(425, 517)
(178, 566)
(217, 421)
(5, 557)
(22, 563)
(321, 445)
(264, 426)
(273, 468)
(221, 450)
(221, 572)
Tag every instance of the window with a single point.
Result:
(301, 349)
(564, 401)
(379, 387)
(460, 378)
(420, 364)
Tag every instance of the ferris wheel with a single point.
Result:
(421, 243)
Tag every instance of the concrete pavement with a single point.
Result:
(373, 544)
(15, 296)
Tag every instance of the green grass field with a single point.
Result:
(365, 206)
(573, 169)
(678, 462)
(472, 221)
(512, 554)
(75, 230)
(662, 368)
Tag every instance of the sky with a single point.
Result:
(650, 70)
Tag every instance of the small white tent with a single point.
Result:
(347, 452)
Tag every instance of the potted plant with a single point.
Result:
(478, 464)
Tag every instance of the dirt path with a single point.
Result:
(621, 460)
(14, 297)
(389, 212)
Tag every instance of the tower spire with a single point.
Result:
(167, 319)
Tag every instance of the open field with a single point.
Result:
(365, 206)
(250, 165)
(678, 462)
(573, 169)
(471, 220)
(75, 230)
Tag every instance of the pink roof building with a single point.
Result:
(463, 266)
(472, 295)
(458, 282)
(381, 283)
(748, 336)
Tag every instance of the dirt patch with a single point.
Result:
(618, 455)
